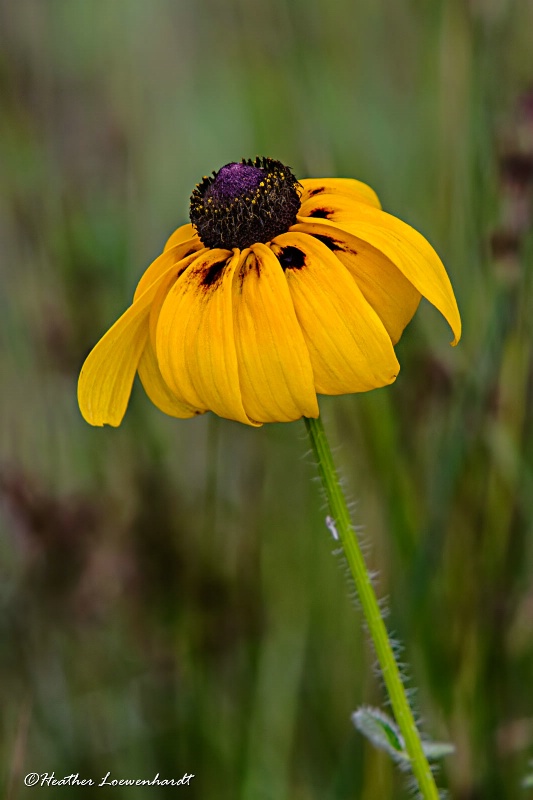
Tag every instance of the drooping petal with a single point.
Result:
(275, 370)
(156, 388)
(195, 341)
(346, 187)
(163, 262)
(406, 248)
(350, 349)
(182, 234)
(106, 378)
(162, 291)
(388, 291)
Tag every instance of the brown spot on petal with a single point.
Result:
(322, 213)
(333, 244)
(291, 257)
(249, 264)
(213, 274)
(329, 241)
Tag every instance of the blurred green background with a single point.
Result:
(169, 599)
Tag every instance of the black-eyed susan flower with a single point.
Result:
(276, 291)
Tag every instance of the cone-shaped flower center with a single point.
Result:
(245, 203)
(234, 180)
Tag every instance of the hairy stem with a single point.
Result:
(369, 603)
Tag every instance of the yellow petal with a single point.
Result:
(350, 349)
(164, 261)
(388, 291)
(406, 248)
(182, 234)
(195, 342)
(157, 390)
(106, 378)
(275, 370)
(346, 187)
(162, 291)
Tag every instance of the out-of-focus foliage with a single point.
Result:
(169, 601)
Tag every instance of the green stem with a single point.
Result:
(376, 626)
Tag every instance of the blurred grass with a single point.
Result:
(169, 598)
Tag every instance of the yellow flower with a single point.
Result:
(276, 291)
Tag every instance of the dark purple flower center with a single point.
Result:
(243, 203)
(234, 180)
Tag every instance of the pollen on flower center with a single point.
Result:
(244, 203)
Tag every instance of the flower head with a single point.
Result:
(277, 291)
